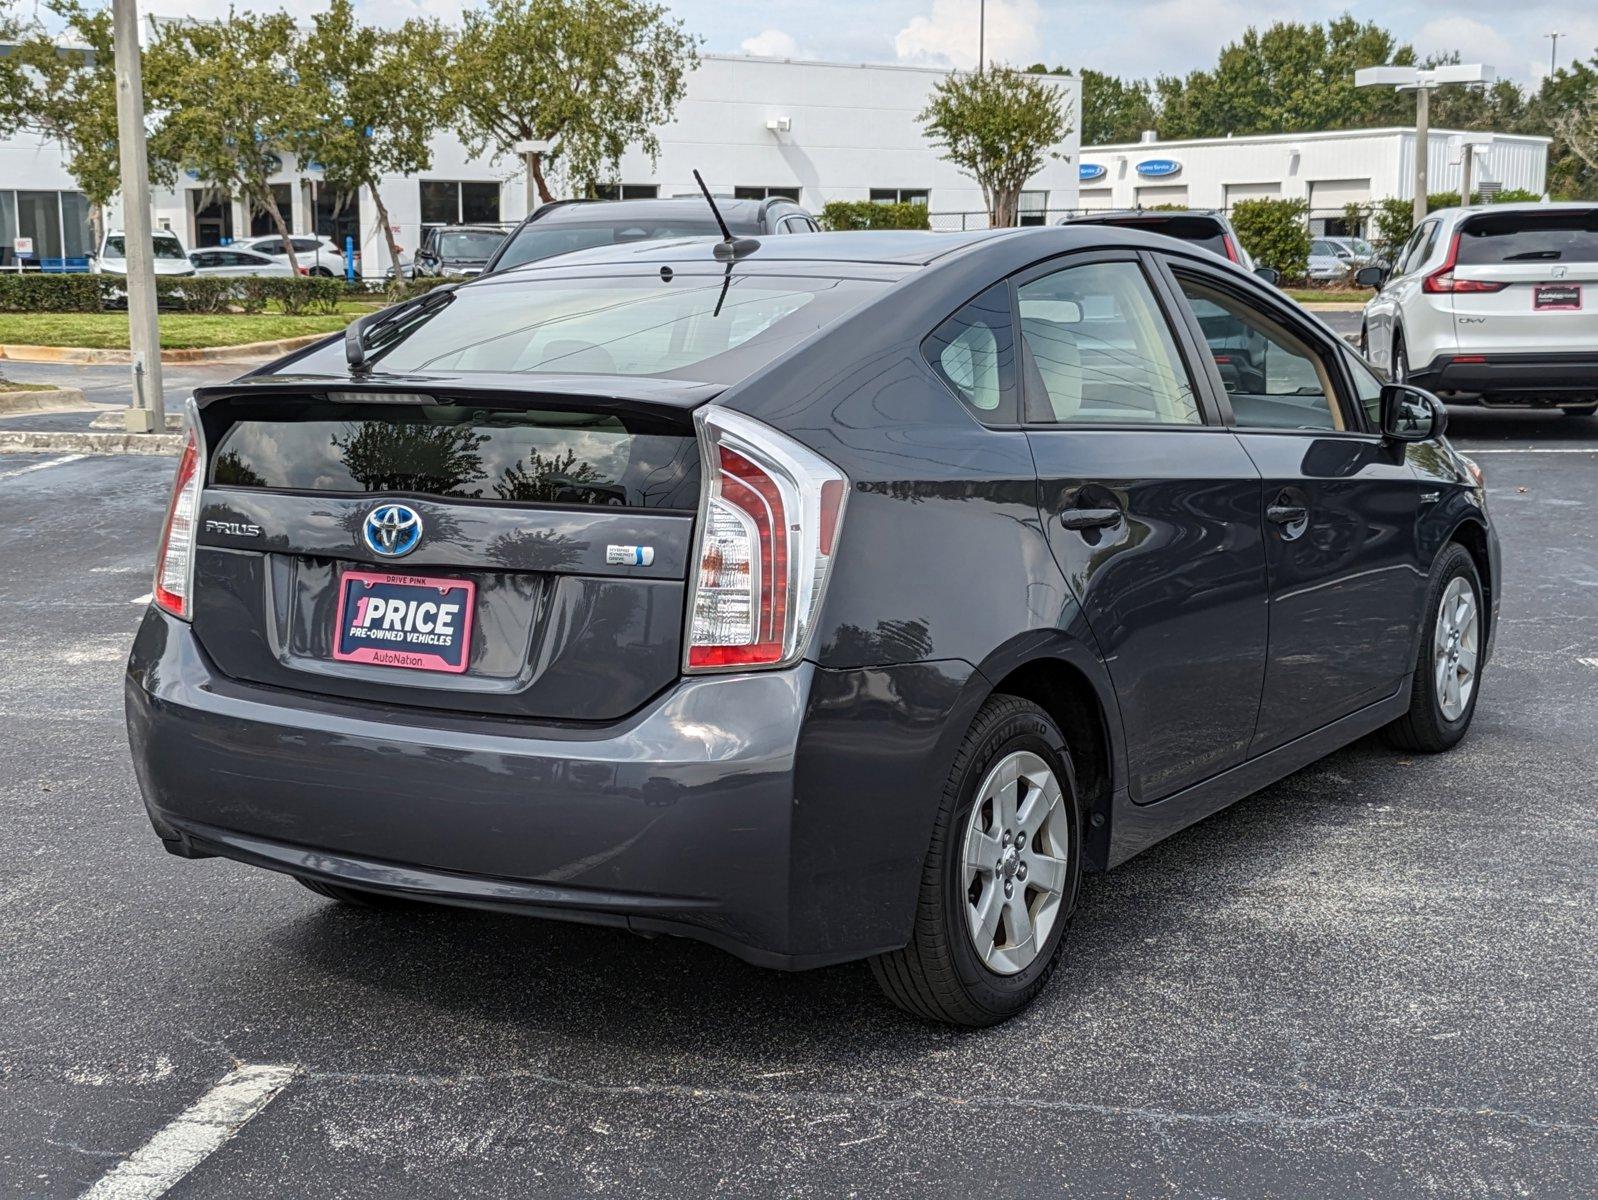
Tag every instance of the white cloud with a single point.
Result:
(1476, 42)
(948, 36)
(770, 43)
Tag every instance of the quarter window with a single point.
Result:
(1274, 379)
(1097, 350)
(974, 353)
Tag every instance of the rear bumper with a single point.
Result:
(1515, 378)
(783, 816)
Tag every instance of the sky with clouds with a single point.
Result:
(1124, 37)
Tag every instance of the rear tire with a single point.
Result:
(1432, 724)
(355, 896)
(1580, 410)
(943, 974)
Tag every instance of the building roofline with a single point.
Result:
(864, 66)
(1317, 135)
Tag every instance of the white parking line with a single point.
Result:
(194, 1135)
(144, 599)
(1534, 450)
(54, 462)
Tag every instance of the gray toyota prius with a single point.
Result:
(824, 598)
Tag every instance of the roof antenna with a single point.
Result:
(729, 247)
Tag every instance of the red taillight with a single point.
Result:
(769, 519)
(174, 563)
(1441, 282)
(1231, 248)
(1470, 358)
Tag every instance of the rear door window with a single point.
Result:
(1097, 350)
(1532, 237)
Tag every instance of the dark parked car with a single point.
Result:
(1205, 227)
(567, 225)
(456, 251)
(846, 599)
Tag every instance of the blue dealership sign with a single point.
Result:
(1153, 168)
(1088, 171)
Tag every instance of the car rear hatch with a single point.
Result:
(504, 547)
(1524, 282)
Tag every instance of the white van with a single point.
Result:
(170, 256)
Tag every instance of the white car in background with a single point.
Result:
(1328, 261)
(1494, 305)
(168, 255)
(313, 255)
(228, 261)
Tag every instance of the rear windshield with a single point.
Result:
(1530, 237)
(472, 244)
(161, 247)
(462, 452)
(1200, 231)
(538, 241)
(707, 328)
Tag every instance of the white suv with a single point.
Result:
(1493, 305)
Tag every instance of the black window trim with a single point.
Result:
(1209, 412)
(1283, 312)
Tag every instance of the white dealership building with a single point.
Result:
(752, 126)
(1327, 170)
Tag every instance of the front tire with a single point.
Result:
(1447, 677)
(1399, 368)
(999, 885)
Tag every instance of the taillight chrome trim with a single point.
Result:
(160, 595)
(813, 493)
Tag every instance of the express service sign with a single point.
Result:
(1158, 168)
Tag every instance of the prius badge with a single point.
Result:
(392, 530)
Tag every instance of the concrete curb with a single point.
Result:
(1332, 305)
(116, 418)
(84, 355)
(46, 401)
(28, 441)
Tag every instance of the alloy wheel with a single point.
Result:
(1455, 647)
(1014, 862)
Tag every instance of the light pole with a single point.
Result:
(982, 35)
(147, 413)
(1553, 49)
(1421, 82)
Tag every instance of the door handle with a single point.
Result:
(1090, 518)
(1286, 514)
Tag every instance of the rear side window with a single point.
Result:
(539, 240)
(707, 328)
(460, 452)
(973, 352)
(1529, 237)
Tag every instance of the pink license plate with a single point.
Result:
(414, 621)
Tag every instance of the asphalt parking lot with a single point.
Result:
(1375, 978)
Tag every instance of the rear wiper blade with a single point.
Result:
(359, 331)
(1529, 255)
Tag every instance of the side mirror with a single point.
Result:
(1371, 277)
(1411, 414)
(1270, 275)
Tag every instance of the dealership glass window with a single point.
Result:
(8, 224)
(261, 223)
(1099, 350)
(748, 192)
(920, 196)
(58, 223)
(459, 202)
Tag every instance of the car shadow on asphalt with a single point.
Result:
(599, 982)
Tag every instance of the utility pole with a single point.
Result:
(982, 36)
(1553, 50)
(147, 413)
(1465, 156)
(1423, 148)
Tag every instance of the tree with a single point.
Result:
(589, 77)
(1290, 78)
(379, 95)
(999, 127)
(1566, 106)
(233, 108)
(68, 94)
(1113, 109)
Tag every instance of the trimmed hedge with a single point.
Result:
(868, 214)
(53, 293)
(298, 295)
(1275, 233)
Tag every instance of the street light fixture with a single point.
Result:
(1421, 82)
